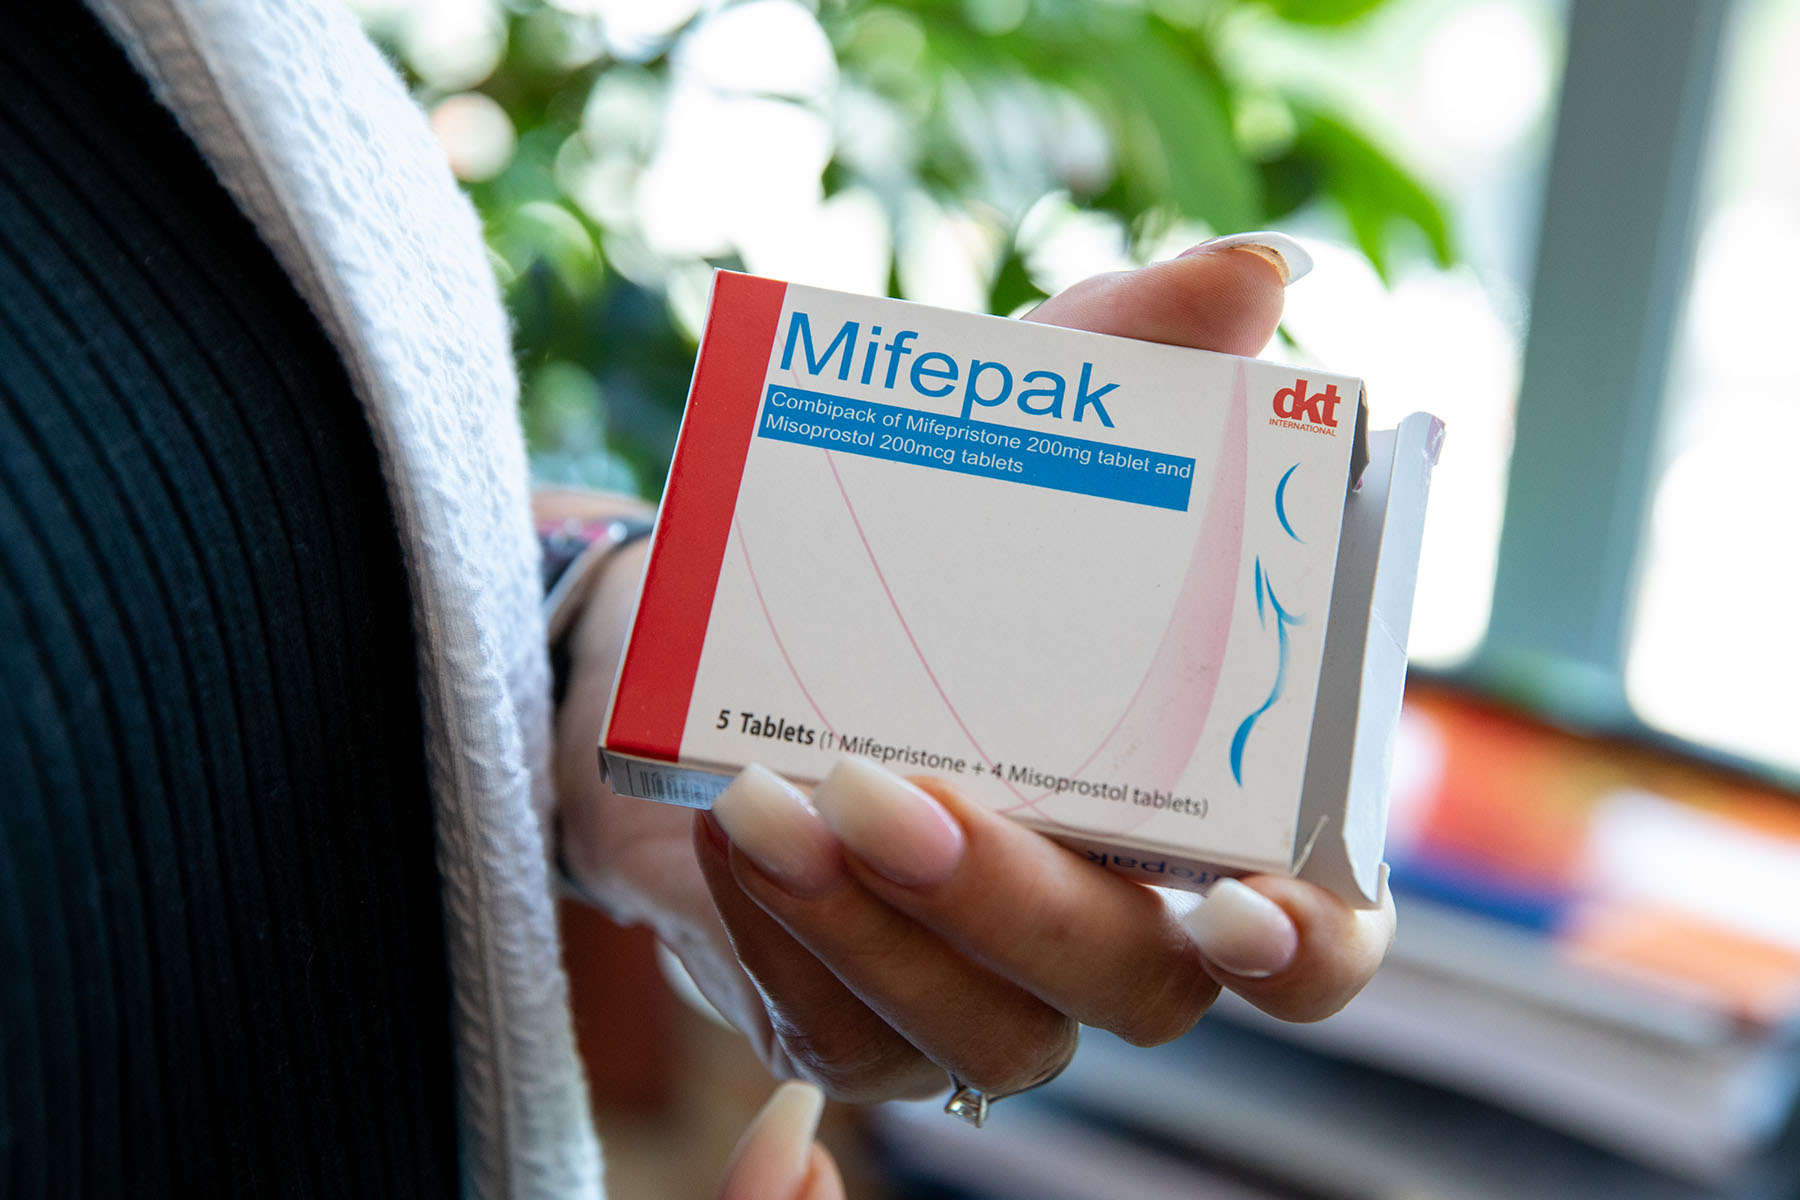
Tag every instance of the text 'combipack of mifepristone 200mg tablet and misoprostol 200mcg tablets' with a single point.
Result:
(1150, 600)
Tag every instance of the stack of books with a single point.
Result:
(1594, 991)
(1600, 936)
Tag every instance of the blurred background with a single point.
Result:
(1568, 227)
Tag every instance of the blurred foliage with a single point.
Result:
(1125, 108)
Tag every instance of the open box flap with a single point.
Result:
(1363, 675)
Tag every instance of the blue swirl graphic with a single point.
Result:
(1281, 504)
(1283, 619)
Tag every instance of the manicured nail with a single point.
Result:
(769, 819)
(771, 1158)
(1287, 255)
(1243, 931)
(890, 824)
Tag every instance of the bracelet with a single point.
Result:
(576, 554)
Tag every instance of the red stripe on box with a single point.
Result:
(656, 683)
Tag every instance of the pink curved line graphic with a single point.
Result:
(1194, 601)
(1168, 712)
(881, 577)
(744, 549)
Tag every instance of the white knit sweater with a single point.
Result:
(316, 139)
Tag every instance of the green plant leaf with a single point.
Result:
(540, 231)
(1170, 117)
(1322, 12)
(1012, 288)
(1377, 194)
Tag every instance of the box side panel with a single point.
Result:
(1364, 671)
(1325, 795)
(656, 680)
(1417, 442)
(691, 786)
(697, 785)
(1156, 867)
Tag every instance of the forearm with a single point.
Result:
(634, 857)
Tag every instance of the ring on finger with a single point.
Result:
(971, 1103)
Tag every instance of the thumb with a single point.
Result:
(777, 1158)
(1222, 295)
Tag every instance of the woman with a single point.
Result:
(276, 740)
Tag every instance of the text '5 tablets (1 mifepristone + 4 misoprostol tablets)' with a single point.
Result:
(1149, 600)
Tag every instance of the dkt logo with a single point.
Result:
(1320, 408)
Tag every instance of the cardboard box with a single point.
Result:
(1123, 592)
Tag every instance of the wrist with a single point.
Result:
(589, 544)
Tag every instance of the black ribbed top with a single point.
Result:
(221, 951)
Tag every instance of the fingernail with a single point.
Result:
(769, 819)
(890, 824)
(1287, 255)
(771, 1158)
(1243, 931)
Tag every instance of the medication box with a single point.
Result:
(1151, 601)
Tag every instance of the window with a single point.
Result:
(1635, 515)
(1715, 649)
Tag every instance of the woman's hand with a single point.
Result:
(882, 934)
(777, 1158)
(897, 932)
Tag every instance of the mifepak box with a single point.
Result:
(1123, 592)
